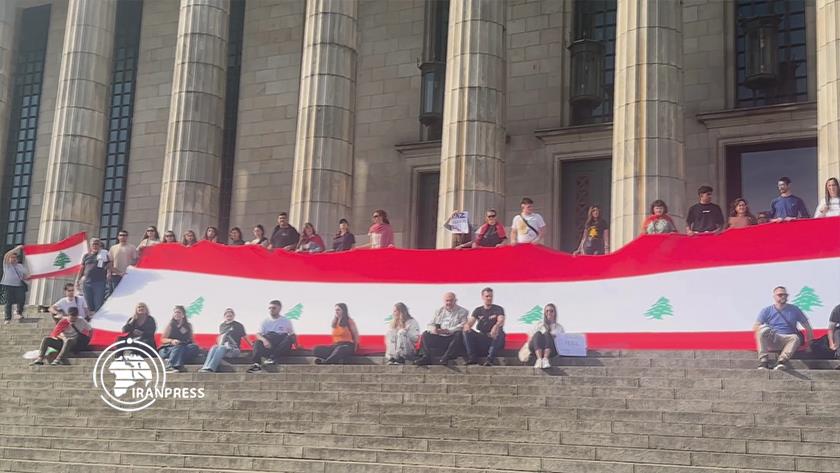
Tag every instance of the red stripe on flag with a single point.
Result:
(55, 274)
(68, 242)
(649, 254)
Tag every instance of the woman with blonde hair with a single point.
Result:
(189, 238)
(541, 342)
(402, 336)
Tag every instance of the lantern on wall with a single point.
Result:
(587, 81)
(761, 51)
(431, 93)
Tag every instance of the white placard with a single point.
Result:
(570, 344)
(460, 222)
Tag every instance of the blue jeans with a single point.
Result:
(215, 355)
(94, 294)
(179, 355)
(478, 344)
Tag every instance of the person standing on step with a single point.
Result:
(483, 332)
(402, 336)
(787, 206)
(541, 342)
(528, 226)
(120, 256)
(830, 205)
(93, 274)
(704, 216)
(71, 334)
(834, 330)
(178, 348)
(595, 239)
(231, 335)
(658, 221)
(284, 236)
(492, 233)
(445, 333)
(14, 283)
(775, 329)
(150, 239)
(345, 338)
(274, 339)
(70, 299)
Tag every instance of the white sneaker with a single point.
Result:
(546, 363)
(538, 363)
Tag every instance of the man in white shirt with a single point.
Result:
(274, 339)
(445, 333)
(70, 299)
(528, 226)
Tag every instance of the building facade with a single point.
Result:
(191, 113)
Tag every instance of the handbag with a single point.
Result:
(83, 340)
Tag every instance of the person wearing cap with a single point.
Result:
(93, 274)
(274, 339)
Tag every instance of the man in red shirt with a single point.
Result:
(70, 334)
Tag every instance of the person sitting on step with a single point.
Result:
(178, 346)
(71, 334)
(402, 336)
(274, 339)
(70, 299)
(483, 334)
(775, 329)
(345, 337)
(445, 333)
(834, 331)
(541, 342)
(231, 334)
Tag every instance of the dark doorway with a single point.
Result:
(428, 184)
(584, 183)
(753, 171)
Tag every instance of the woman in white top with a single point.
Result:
(402, 336)
(541, 341)
(830, 206)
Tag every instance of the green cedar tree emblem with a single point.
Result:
(807, 299)
(295, 312)
(62, 260)
(532, 316)
(195, 308)
(389, 318)
(660, 309)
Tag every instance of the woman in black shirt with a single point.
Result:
(178, 347)
(231, 333)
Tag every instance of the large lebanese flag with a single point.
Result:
(658, 292)
(56, 259)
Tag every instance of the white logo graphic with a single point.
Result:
(132, 376)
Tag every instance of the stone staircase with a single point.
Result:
(623, 412)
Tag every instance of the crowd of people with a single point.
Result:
(452, 333)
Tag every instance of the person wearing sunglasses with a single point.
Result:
(775, 329)
(170, 237)
(380, 232)
(122, 255)
(150, 238)
(492, 233)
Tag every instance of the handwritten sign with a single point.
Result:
(460, 222)
(570, 344)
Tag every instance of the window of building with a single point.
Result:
(593, 53)
(752, 172)
(788, 74)
(23, 126)
(433, 69)
(126, 46)
(234, 70)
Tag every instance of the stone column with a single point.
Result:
(472, 154)
(828, 90)
(323, 172)
(648, 147)
(192, 168)
(76, 165)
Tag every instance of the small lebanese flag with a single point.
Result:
(56, 259)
